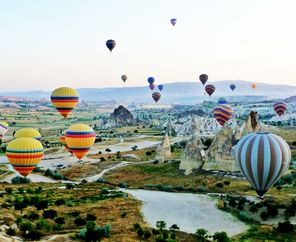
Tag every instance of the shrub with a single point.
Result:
(43, 204)
(11, 232)
(74, 213)
(50, 214)
(244, 216)
(179, 188)
(59, 202)
(60, 220)
(104, 191)
(219, 185)
(140, 233)
(136, 226)
(33, 216)
(42, 224)
(69, 186)
(91, 217)
(26, 227)
(264, 216)
(8, 190)
(34, 235)
(80, 221)
(272, 211)
(148, 153)
(123, 185)
(221, 237)
(253, 209)
(147, 234)
(285, 227)
(201, 234)
(101, 180)
(20, 180)
(201, 189)
(226, 183)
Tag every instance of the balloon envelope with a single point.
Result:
(156, 96)
(3, 128)
(160, 87)
(254, 86)
(124, 78)
(27, 133)
(151, 80)
(173, 21)
(64, 99)
(24, 154)
(263, 158)
(210, 89)
(222, 100)
(110, 44)
(232, 87)
(222, 113)
(203, 78)
(80, 138)
(152, 86)
(280, 108)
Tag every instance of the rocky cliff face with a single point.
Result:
(252, 124)
(220, 149)
(193, 155)
(164, 149)
(122, 116)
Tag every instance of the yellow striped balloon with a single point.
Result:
(27, 133)
(63, 141)
(3, 128)
(80, 138)
(64, 99)
(24, 154)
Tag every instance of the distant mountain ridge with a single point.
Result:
(175, 93)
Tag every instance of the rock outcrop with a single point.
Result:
(193, 155)
(122, 116)
(164, 149)
(221, 146)
(252, 124)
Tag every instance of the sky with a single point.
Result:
(45, 44)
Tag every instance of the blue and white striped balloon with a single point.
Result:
(263, 158)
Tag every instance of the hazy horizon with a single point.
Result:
(47, 44)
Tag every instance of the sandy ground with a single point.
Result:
(188, 211)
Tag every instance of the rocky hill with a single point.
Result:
(122, 116)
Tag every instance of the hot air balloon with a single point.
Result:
(152, 86)
(3, 128)
(280, 108)
(24, 154)
(254, 86)
(80, 138)
(222, 100)
(210, 89)
(173, 21)
(160, 87)
(203, 78)
(222, 113)
(232, 87)
(64, 99)
(151, 80)
(63, 141)
(156, 96)
(263, 158)
(110, 44)
(124, 78)
(27, 133)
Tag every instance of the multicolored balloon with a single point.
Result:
(232, 87)
(173, 21)
(263, 158)
(210, 89)
(124, 78)
(80, 138)
(222, 113)
(63, 141)
(27, 133)
(3, 128)
(24, 154)
(64, 99)
(156, 96)
(151, 80)
(160, 87)
(152, 86)
(110, 44)
(280, 108)
(203, 78)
